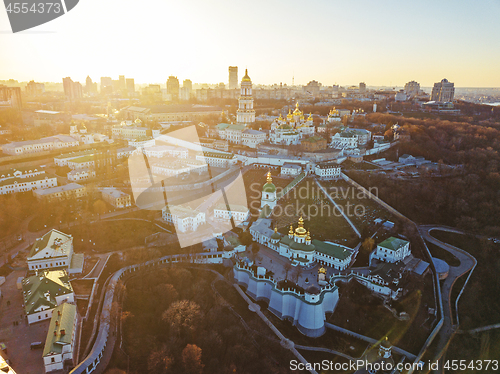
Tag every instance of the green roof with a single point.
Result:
(393, 243)
(236, 127)
(266, 211)
(60, 329)
(41, 290)
(222, 126)
(50, 239)
(269, 187)
(333, 250)
(297, 246)
(82, 159)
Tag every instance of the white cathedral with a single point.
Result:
(292, 129)
(245, 113)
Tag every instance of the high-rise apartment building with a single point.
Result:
(33, 88)
(362, 87)
(90, 87)
(106, 85)
(233, 77)
(186, 90)
(130, 85)
(11, 95)
(443, 91)
(72, 90)
(173, 87)
(121, 83)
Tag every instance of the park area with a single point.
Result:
(184, 320)
(107, 236)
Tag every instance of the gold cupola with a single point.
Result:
(300, 230)
(322, 270)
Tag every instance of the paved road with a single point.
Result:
(467, 263)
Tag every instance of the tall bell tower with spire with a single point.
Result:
(245, 113)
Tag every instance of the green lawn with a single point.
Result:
(111, 235)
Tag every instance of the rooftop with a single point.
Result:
(60, 330)
(67, 187)
(333, 250)
(111, 191)
(41, 290)
(57, 241)
(393, 243)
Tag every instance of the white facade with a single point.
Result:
(327, 170)
(252, 138)
(159, 151)
(23, 184)
(78, 175)
(291, 169)
(344, 140)
(184, 219)
(80, 163)
(305, 310)
(40, 145)
(391, 250)
(221, 160)
(54, 250)
(238, 213)
(61, 337)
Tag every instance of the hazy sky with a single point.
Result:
(382, 42)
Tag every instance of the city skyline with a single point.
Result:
(384, 44)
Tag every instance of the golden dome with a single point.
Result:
(246, 78)
(300, 230)
(291, 230)
(269, 178)
(280, 117)
(289, 113)
(322, 270)
(275, 229)
(308, 235)
(310, 116)
(297, 110)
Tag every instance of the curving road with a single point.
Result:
(467, 263)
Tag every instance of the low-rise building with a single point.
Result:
(68, 191)
(313, 144)
(327, 170)
(184, 218)
(160, 151)
(40, 145)
(116, 198)
(53, 251)
(391, 250)
(24, 184)
(344, 140)
(79, 175)
(62, 160)
(217, 159)
(291, 169)
(239, 213)
(79, 163)
(61, 338)
(252, 138)
(43, 292)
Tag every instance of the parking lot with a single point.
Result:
(18, 338)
